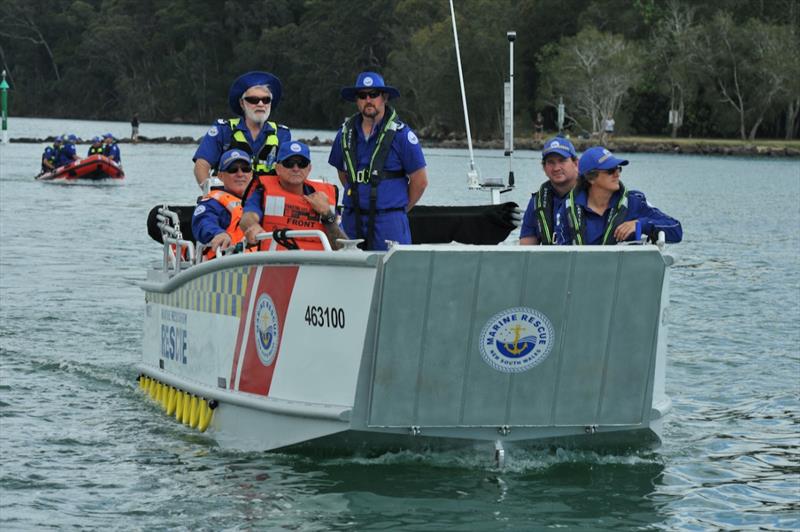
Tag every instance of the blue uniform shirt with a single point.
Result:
(560, 229)
(210, 218)
(405, 154)
(112, 152)
(651, 219)
(66, 154)
(220, 135)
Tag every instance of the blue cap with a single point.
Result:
(72, 138)
(59, 138)
(97, 139)
(250, 79)
(108, 135)
(558, 145)
(291, 149)
(598, 158)
(230, 157)
(367, 81)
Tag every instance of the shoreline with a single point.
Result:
(765, 148)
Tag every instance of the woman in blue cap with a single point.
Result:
(380, 164)
(252, 97)
(601, 210)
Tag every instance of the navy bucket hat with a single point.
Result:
(245, 81)
(368, 81)
(598, 158)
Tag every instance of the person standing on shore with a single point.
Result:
(538, 127)
(601, 211)
(543, 222)
(380, 163)
(252, 97)
(135, 128)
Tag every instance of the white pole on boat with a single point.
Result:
(472, 175)
(512, 35)
(4, 105)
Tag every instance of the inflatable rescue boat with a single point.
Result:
(92, 168)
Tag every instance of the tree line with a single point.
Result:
(720, 68)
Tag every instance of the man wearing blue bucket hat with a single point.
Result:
(380, 164)
(601, 210)
(290, 201)
(252, 97)
(542, 223)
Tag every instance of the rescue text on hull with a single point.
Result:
(92, 168)
(423, 346)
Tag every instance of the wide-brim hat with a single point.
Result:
(598, 158)
(245, 81)
(368, 81)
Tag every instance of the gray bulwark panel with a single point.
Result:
(604, 307)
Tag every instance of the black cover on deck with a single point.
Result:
(472, 224)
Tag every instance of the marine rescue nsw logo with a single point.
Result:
(516, 339)
(266, 329)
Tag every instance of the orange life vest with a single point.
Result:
(234, 206)
(284, 210)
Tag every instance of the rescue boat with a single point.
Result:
(92, 168)
(424, 346)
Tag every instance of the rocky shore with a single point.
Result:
(684, 146)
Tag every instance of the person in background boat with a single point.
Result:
(290, 201)
(135, 128)
(380, 164)
(67, 152)
(543, 222)
(252, 96)
(97, 147)
(50, 155)
(601, 210)
(215, 221)
(111, 149)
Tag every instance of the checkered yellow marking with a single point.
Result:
(220, 292)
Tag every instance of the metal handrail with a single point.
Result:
(326, 246)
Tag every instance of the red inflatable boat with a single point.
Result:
(93, 168)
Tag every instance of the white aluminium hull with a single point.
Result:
(352, 350)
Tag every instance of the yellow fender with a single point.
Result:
(142, 382)
(171, 401)
(194, 415)
(154, 390)
(187, 408)
(178, 405)
(205, 417)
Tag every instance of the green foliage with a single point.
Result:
(173, 60)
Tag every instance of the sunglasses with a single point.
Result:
(296, 161)
(253, 100)
(245, 168)
(613, 170)
(370, 94)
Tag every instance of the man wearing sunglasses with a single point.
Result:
(290, 201)
(252, 97)
(600, 210)
(215, 221)
(380, 164)
(542, 223)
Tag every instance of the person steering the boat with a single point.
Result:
(380, 164)
(600, 210)
(252, 97)
(542, 223)
(51, 154)
(289, 201)
(111, 149)
(215, 221)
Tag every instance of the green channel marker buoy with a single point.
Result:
(4, 106)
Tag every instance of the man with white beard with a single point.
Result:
(252, 96)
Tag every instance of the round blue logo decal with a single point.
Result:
(516, 339)
(266, 329)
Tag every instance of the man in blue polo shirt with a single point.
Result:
(543, 223)
(380, 164)
(67, 152)
(252, 97)
(111, 148)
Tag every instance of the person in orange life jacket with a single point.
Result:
(289, 201)
(380, 164)
(251, 97)
(542, 223)
(215, 221)
(601, 210)
(97, 147)
(110, 148)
